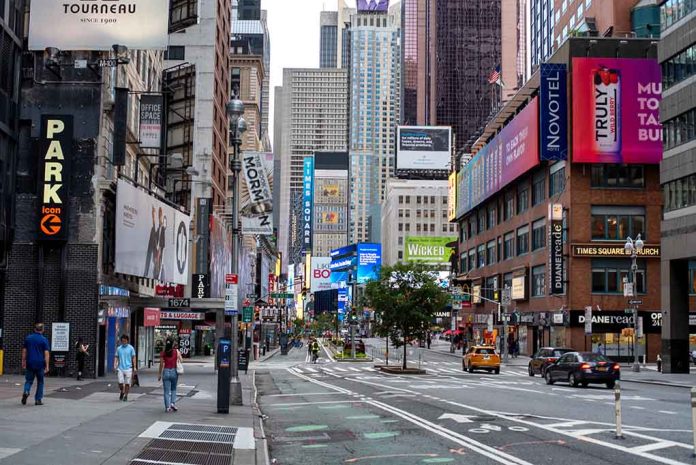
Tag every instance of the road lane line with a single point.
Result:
(298, 394)
(668, 412)
(654, 446)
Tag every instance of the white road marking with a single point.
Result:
(343, 370)
(636, 407)
(667, 412)
(653, 446)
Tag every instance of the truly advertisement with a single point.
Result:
(256, 209)
(320, 274)
(431, 250)
(553, 111)
(616, 111)
(513, 152)
(307, 203)
(423, 147)
(369, 262)
(151, 237)
(98, 24)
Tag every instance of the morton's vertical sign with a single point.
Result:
(55, 144)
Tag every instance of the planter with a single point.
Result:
(394, 370)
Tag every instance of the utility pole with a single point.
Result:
(506, 300)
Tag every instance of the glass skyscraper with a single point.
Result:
(328, 39)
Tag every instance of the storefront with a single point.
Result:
(180, 326)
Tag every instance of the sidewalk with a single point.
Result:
(84, 423)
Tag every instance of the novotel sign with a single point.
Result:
(56, 145)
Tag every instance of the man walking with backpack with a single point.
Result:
(35, 363)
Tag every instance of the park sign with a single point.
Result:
(428, 249)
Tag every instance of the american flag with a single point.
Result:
(494, 76)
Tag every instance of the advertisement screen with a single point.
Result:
(432, 250)
(320, 279)
(616, 111)
(423, 148)
(256, 209)
(151, 237)
(511, 153)
(373, 5)
(97, 25)
(553, 111)
(369, 262)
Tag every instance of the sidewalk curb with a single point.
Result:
(262, 453)
(657, 383)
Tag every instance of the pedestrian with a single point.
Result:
(168, 374)
(428, 340)
(599, 348)
(125, 365)
(80, 354)
(659, 363)
(268, 342)
(35, 363)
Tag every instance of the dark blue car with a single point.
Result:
(583, 368)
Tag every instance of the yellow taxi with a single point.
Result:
(481, 358)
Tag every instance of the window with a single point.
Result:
(522, 199)
(617, 223)
(463, 263)
(401, 199)
(489, 287)
(401, 226)
(692, 277)
(472, 226)
(618, 176)
(490, 253)
(418, 199)
(679, 67)
(539, 281)
(481, 220)
(401, 254)
(539, 234)
(679, 193)
(500, 249)
(492, 216)
(507, 280)
(401, 240)
(481, 255)
(472, 259)
(557, 180)
(175, 52)
(608, 276)
(509, 206)
(408, 199)
(673, 10)
(680, 129)
(538, 189)
(523, 240)
(509, 247)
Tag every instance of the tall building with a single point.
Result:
(310, 116)
(418, 62)
(678, 178)
(552, 21)
(330, 225)
(468, 50)
(374, 112)
(328, 39)
(413, 209)
(343, 34)
(513, 39)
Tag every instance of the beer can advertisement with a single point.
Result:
(256, 209)
(616, 111)
(320, 274)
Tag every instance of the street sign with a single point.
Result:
(628, 289)
(247, 314)
(635, 302)
(281, 295)
(231, 294)
(507, 297)
(252, 296)
(179, 303)
(107, 62)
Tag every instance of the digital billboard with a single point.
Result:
(423, 148)
(553, 111)
(511, 153)
(256, 196)
(431, 250)
(373, 5)
(369, 262)
(320, 274)
(616, 111)
(151, 237)
(97, 25)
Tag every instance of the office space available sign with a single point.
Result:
(553, 112)
(150, 129)
(55, 145)
(98, 24)
(307, 203)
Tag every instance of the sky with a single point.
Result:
(294, 29)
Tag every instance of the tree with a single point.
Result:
(405, 299)
(323, 322)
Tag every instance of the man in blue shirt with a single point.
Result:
(125, 364)
(35, 363)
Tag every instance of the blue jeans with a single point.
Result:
(169, 379)
(29, 380)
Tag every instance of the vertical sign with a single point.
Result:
(60, 337)
(307, 203)
(588, 320)
(553, 112)
(55, 143)
(150, 129)
(231, 294)
(452, 196)
(556, 265)
(201, 286)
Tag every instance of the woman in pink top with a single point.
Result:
(168, 374)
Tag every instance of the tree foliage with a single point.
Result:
(405, 299)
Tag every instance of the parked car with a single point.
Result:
(359, 346)
(545, 357)
(583, 368)
(481, 358)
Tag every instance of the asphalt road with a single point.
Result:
(339, 412)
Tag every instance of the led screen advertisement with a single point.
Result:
(616, 105)
(369, 262)
(511, 153)
(373, 5)
(98, 24)
(423, 147)
(151, 237)
(431, 250)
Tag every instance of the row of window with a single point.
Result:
(617, 223)
(406, 213)
(424, 199)
(680, 193)
(679, 130)
(447, 227)
(673, 10)
(680, 67)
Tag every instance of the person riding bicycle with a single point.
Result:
(315, 351)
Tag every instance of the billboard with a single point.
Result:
(56, 147)
(307, 203)
(423, 147)
(616, 111)
(320, 274)
(511, 153)
(373, 5)
(150, 130)
(553, 111)
(369, 262)
(432, 250)
(97, 25)
(452, 196)
(151, 237)
(256, 197)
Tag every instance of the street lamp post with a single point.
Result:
(235, 110)
(634, 247)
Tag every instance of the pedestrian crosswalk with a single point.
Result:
(437, 368)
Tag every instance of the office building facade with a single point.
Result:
(328, 39)
(330, 202)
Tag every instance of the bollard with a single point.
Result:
(617, 410)
(693, 417)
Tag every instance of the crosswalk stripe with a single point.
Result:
(311, 370)
(337, 369)
(353, 369)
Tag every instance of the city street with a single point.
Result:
(340, 412)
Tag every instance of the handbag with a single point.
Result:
(179, 364)
(136, 381)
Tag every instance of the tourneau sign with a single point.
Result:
(56, 151)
